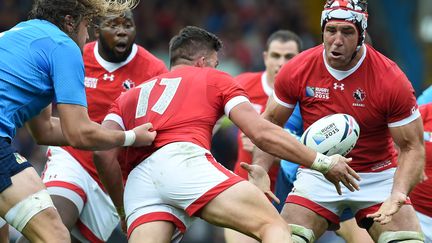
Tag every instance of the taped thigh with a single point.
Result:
(19, 215)
(301, 234)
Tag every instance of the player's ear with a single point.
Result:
(69, 24)
(200, 62)
(264, 55)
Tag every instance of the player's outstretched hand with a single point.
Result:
(342, 172)
(259, 177)
(144, 135)
(390, 206)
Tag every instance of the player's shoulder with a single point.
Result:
(147, 55)
(378, 60)
(247, 76)
(47, 34)
(88, 50)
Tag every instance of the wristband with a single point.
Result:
(129, 138)
(322, 163)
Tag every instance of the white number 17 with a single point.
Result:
(164, 100)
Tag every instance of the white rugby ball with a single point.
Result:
(332, 134)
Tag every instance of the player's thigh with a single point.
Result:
(153, 232)
(242, 207)
(24, 184)
(404, 220)
(232, 236)
(351, 232)
(67, 210)
(297, 214)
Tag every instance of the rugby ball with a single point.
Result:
(332, 134)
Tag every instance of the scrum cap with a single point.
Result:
(353, 11)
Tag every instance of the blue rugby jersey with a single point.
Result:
(39, 64)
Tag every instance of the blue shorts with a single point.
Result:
(11, 163)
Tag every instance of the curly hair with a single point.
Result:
(56, 10)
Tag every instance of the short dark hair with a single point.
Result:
(284, 36)
(190, 43)
(56, 10)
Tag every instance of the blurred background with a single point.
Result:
(400, 29)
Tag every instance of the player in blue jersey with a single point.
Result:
(41, 63)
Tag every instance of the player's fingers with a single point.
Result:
(348, 184)
(348, 160)
(352, 182)
(148, 125)
(246, 166)
(272, 196)
(354, 174)
(338, 188)
(373, 215)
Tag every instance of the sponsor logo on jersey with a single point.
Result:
(338, 86)
(108, 77)
(359, 96)
(128, 84)
(90, 82)
(316, 92)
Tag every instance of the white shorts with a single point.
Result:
(313, 191)
(426, 224)
(173, 184)
(64, 176)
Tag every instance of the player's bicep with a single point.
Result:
(276, 113)
(245, 117)
(408, 136)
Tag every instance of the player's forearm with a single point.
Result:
(263, 159)
(279, 143)
(410, 168)
(91, 136)
(47, 132)
(109, 172)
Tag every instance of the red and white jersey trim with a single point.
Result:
(265, 85)
(280, 102)
(111, 66)
(115, 118)
(405, 121)
(338, 74)
(233, 102)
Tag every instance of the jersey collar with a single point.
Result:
(338, 74)
(112, 66)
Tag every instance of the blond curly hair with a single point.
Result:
(56, 10)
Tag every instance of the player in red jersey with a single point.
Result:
(346, 76)
(421, 195)
(176, 178)
(281, 46)
(113, 64)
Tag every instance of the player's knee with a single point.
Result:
(401, 236)
(20, 214)
(301, 234)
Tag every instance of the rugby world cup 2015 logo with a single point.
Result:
(325, 133)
